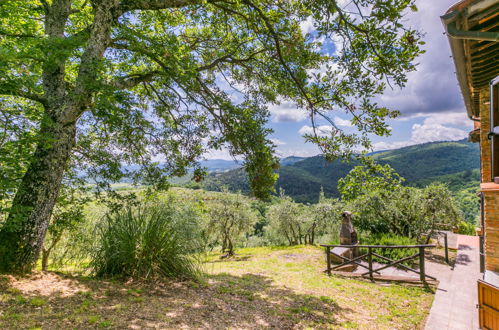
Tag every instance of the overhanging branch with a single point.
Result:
(27, 95)
(129, 5)
(133, 80)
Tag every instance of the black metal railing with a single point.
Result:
(368, 257)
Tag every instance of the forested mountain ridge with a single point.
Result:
(455, 163)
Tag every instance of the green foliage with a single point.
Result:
(368, 177)
(230, 218)
(390, 239)
(466, 228)
(406, 212)
(292, 223)
(469, 203)
(95, 85)
(148, 242)
(286, 220)
(178, 82)
(66, 219)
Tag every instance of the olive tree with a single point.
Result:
(230, 217)
(286, 222)
(100, 84)
(295, 223)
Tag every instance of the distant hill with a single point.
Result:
(456, 163)
(291, 160)
(220, 165)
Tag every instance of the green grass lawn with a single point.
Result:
(260, 287)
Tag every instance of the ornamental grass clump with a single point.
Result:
(147, 242)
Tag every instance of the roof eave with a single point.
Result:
(458, 54)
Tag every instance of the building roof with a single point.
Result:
(472, 27)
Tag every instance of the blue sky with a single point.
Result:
(431, 104)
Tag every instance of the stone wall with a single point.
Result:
(491, 209)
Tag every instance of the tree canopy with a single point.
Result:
(154, 83)
(369, 177)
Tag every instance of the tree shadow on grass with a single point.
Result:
(234, 257)
(222, 301)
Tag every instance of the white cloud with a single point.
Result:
(422, 133)
(323, 130)
(431, 130)
(278, 142)
(298, 152)
(433, 87)
(342, 122)
(218, 154)
(287, 112)
(390, 145)
(459, 118)
(307, 26)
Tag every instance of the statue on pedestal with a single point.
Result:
(348, 236)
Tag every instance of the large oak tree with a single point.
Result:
(98, 84)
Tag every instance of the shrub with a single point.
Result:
(407, 211)
(147, 242)
(465, 228)
(390, 239)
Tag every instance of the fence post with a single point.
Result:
(328, 258)
(421, 265)
(446, 249)
(370, 260)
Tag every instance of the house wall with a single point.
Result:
(485, 152)
(491, 191)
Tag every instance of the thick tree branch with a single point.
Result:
(55, 67)
(18, 35)
(99, 39)
(133, 80)
(129, 5)
(4, 90)
(143, 51)
(229, 59)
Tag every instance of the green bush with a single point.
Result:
(147, 242)
(405, 212)
(390, 239)
(465, 228)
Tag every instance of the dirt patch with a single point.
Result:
(293, 256)
(46, 284)
(224, 301)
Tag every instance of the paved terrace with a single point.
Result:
(456, 298)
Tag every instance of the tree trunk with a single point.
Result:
(21, 237)
(45, 259)
(46, 251)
